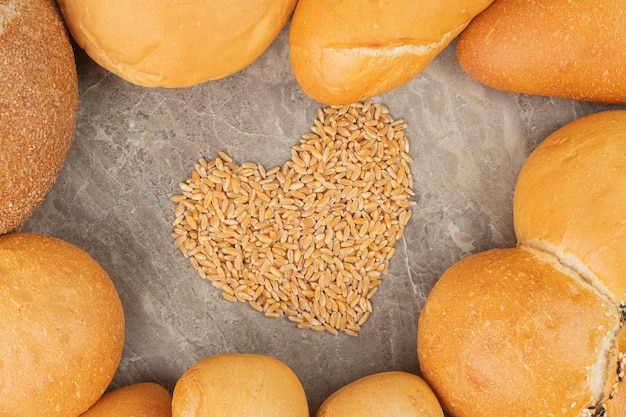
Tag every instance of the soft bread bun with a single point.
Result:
(172, 43)
(570, 198)
(38, 106)
(342, 52)
(144, 399)
(62, 327)
(239, 385)
(563, 48)
(385, 394)
(511, 332)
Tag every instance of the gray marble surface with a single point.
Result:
(133, 145)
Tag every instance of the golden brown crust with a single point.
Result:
(563, 48)
(235, 384)
(385, 394)
(175, 44)
(38, 106)
(342, 53)
(509, 332)
(62, 327)
(144, 399)
(570, 197)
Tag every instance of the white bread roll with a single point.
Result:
(510, 332)
(62, 327)
(538, 329)
(175, 44)
(239, 385)
(343, 52)
(143, 399)
(570, 198)
(563, 48)
(385, 394)
(38, 106)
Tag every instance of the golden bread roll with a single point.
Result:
(511, 332)
(385, 394)
(562, 48)
(38, 106)
(538, 329)
(175, 44)
(144, 399)
(343, 52)
(570, 198)
(239, 385)
(62, 327)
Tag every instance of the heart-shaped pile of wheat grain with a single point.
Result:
(310, 240)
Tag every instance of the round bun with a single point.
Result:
(342, 53)
(570, 198)
(385, 394)
(539, 327)
(237, 385)
(175, 44)
(562, 48)
(38, 106)
(62, 327)
(144, 399)
(512, 332)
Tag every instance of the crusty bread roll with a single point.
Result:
(143, 399)
(38, 106)
(62, 327)
(239, 385)
(385, 394)
(510, 332)
(570, 198)
(343, 52)
(563, 48)
(175, 44)
(538, 329)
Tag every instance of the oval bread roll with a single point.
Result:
(144, 399)
(38, 106)
(562, 48)
(385, 394)
(537, 330)
(343, 52)
(239, 385)
(172, 43)
(62, 327)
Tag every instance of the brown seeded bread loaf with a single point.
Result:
(144, 399)
(172, 43)
(239, 385)
(385, 394)
(62, 327)
(563, 48)
(510, 332)
(38, 105)
(539, 329)
(342, 52)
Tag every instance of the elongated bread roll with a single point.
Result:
(563, 48)
(343, 52)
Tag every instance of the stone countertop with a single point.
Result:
(134, 145)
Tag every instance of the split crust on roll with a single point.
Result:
(537, 330)
(343, 52)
